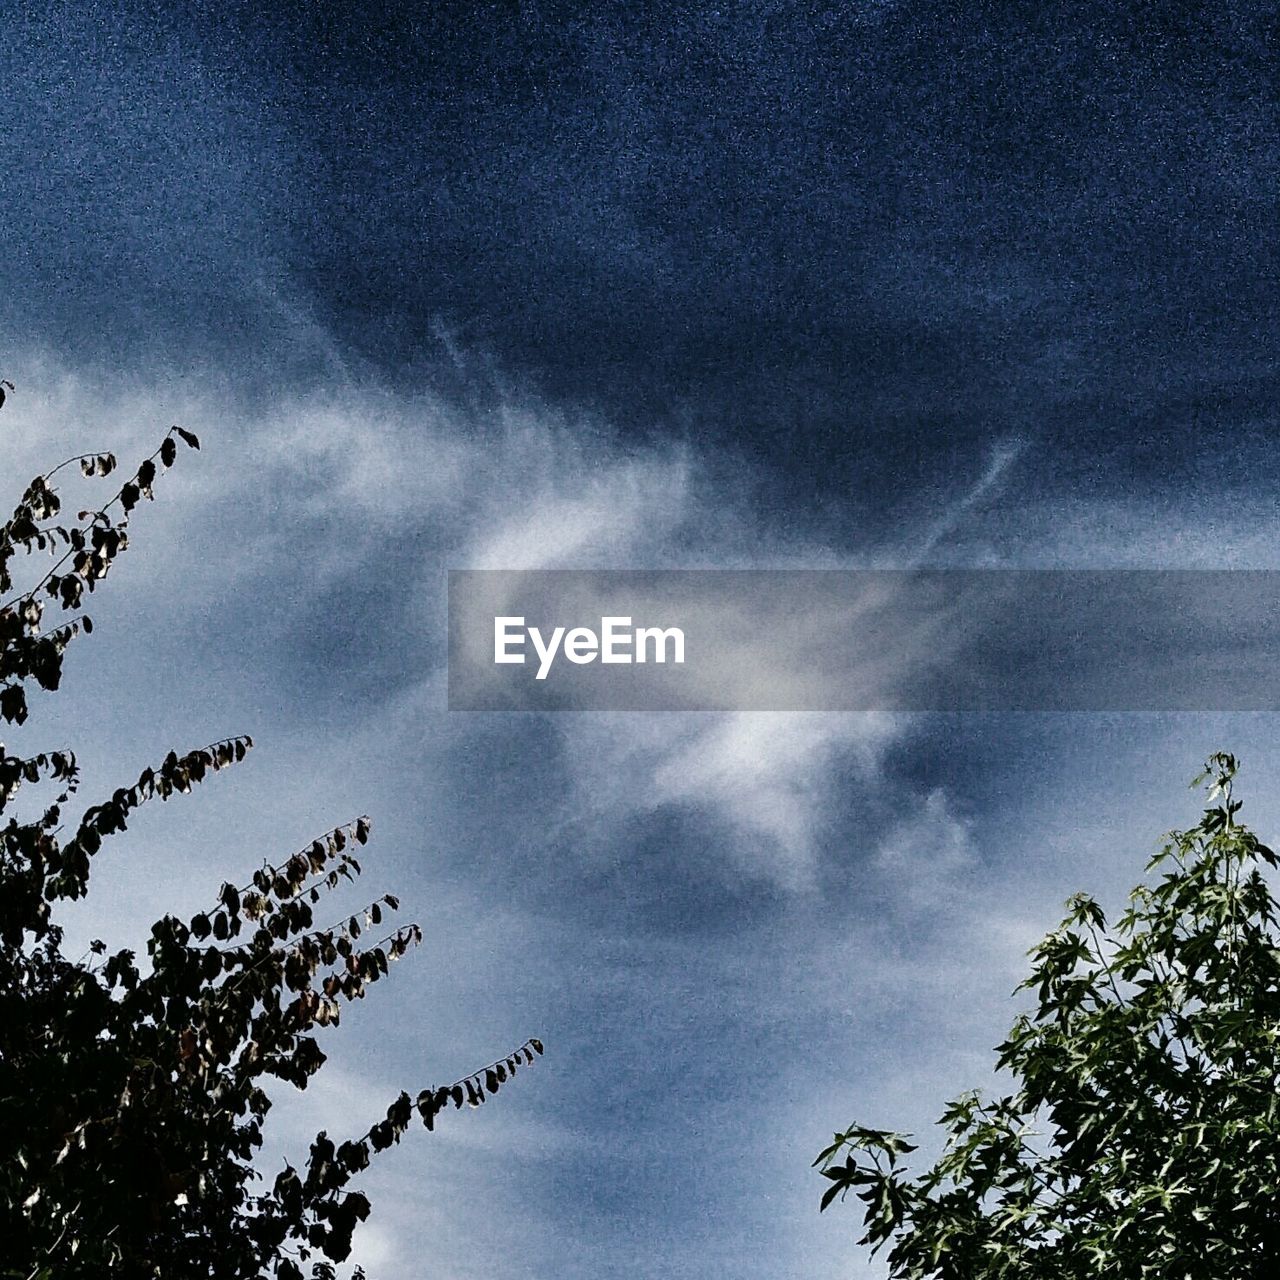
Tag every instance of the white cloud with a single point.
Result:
(924, 854)
(295, 495)
(767, 776)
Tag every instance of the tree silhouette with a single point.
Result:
(133, 1093)
(1143, 1138)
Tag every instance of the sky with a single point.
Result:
(638, 286)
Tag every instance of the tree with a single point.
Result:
(133, 1093)
(1143, 1136)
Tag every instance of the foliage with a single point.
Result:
(1143, 1138)
(133, 1093)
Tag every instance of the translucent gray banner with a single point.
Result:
(864, 640)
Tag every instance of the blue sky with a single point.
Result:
(537, 286)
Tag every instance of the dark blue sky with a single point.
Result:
(848, 241)
(527, 286)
